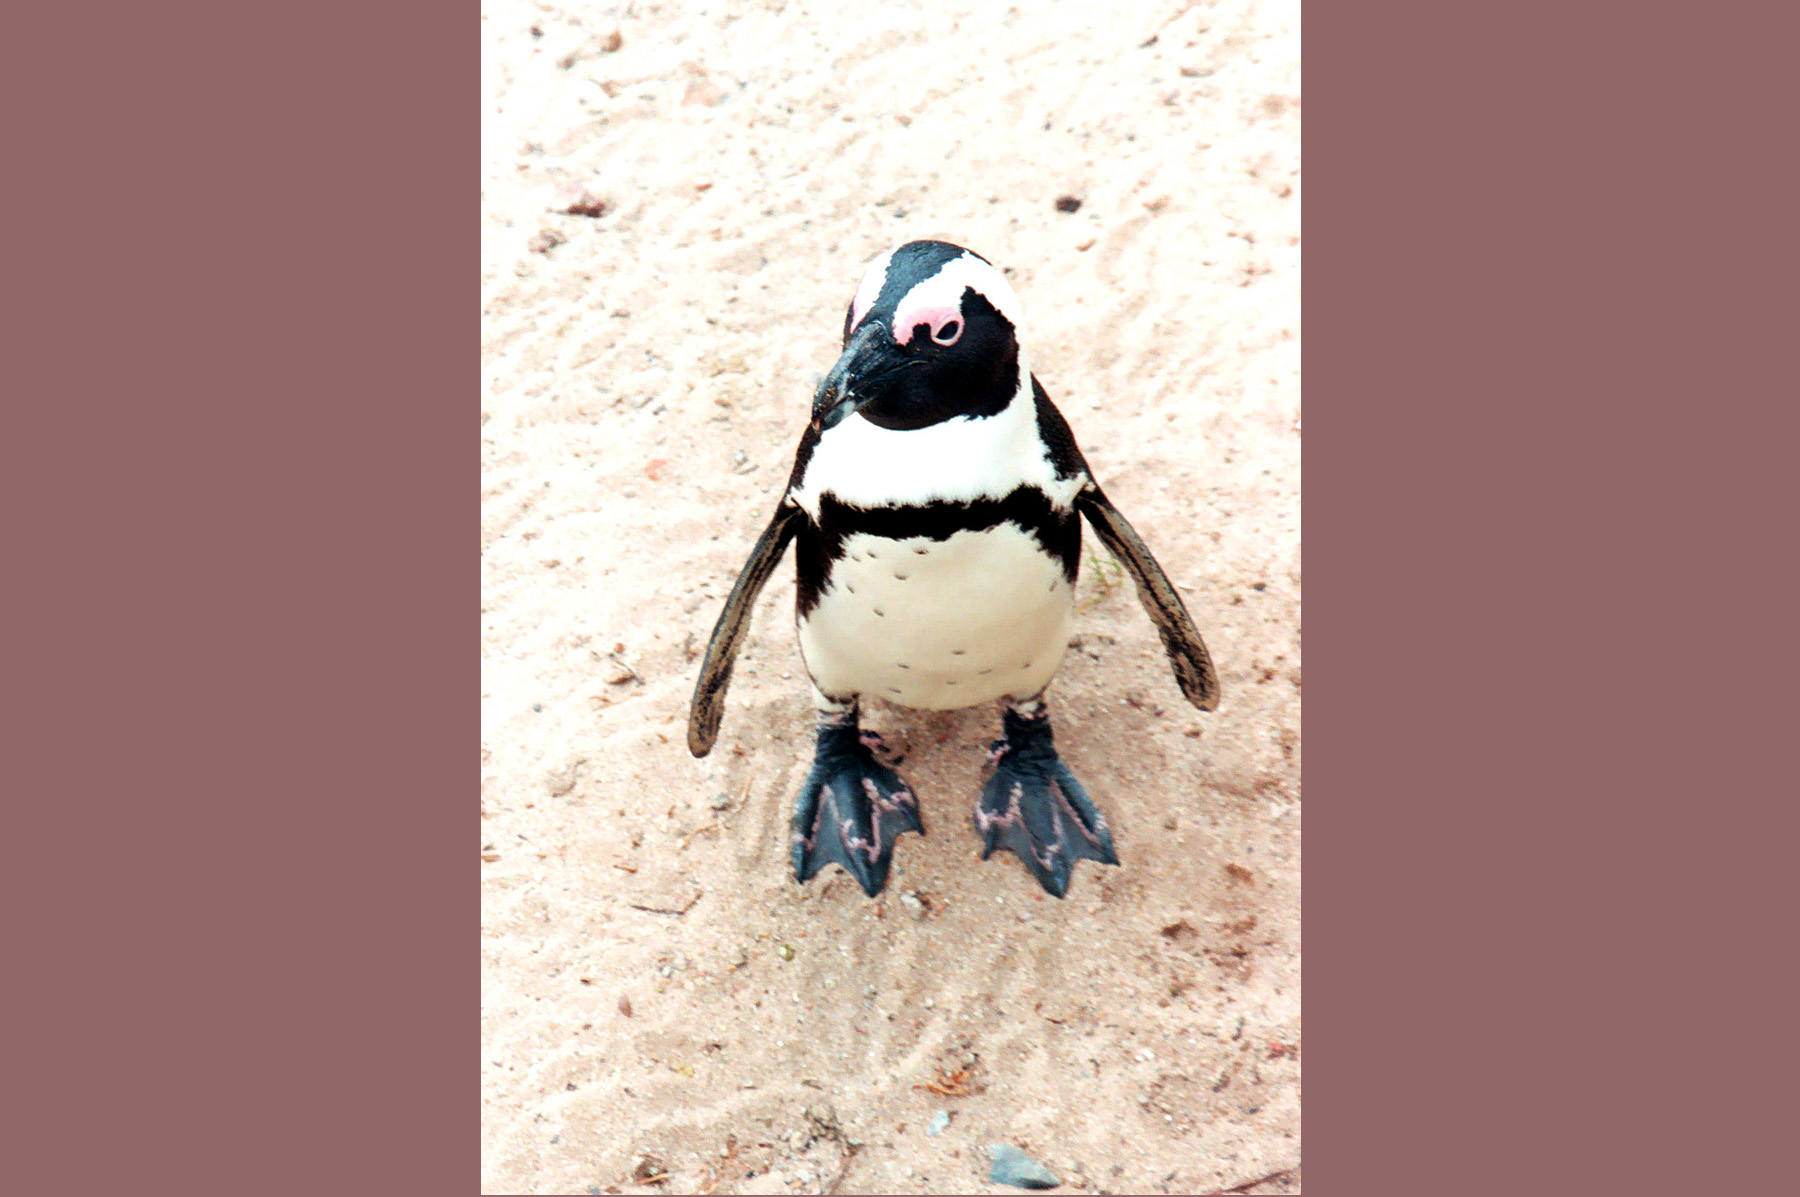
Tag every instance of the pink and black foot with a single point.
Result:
(1034, 808)
(852, 807)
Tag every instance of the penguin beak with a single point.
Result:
(868, 361)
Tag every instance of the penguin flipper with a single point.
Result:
(1181, 640)
(1034, 808)
(728, 634)
(851, 809)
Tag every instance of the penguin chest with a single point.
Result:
(939, 624)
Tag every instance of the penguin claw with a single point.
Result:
(851, 810)
(1034, 808)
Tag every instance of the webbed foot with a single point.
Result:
(851, 809)
(1034, 808)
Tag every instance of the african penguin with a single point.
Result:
(935, 504)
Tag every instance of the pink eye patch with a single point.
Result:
(943, 322)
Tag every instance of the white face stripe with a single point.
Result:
(945, 290)
(957, 460)
(873, 279)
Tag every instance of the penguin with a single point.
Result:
(935, 506)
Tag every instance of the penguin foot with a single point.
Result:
(890, 757)
(1034, 808)
(851, 809)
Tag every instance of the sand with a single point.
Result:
(658, 995)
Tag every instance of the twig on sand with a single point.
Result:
(1261, 1180)
(666, 909)
(843, 1170)
(952, 1084)
(714, 826)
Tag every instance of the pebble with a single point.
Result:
(940, 1122)
(913, 905)
(1013, 1167)
(559, 782)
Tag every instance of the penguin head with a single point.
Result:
(931, 335)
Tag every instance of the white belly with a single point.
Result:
(940, 623)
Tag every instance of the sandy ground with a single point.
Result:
(657, 992)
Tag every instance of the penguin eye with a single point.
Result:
(943, 323)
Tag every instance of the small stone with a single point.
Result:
(785, 951)
(582, 202)
(703, 92)
(560, 781)
(1068, 203)
(722, 802)
(1013, 1167)
(914, 906)
(940, 1122)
